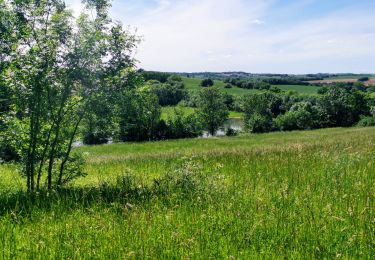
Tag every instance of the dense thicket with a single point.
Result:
(155, 75)
(171, 92)
(337, 106)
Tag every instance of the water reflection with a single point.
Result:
(236, 124)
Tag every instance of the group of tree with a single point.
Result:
(337, 106)
(139, 118)
(171, 92)
(155, 75)
(59, 74)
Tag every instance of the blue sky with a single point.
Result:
(259, 36)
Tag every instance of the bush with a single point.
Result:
(366, 121)
(363, 79)
(183, 126)
(207, 83)
(294, 120)
(95, 138)
(170, 93)
(371, 89)
(228, 86)
(231, 132)
(258, 123)
(301, 116)
(10, 139)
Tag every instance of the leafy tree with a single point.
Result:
(371, 89)
(212, 109)
(342, 106)
(363, 79)
(262, 85)
(154, 75)
(139, 115)
(229, 101)
(301, 116)
(181, 125)
(260, 109)
(57, 69)
(170, 93)
(207, 83)
(258, 123)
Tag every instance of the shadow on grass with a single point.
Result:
(170, 189)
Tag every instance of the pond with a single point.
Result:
(234, 123)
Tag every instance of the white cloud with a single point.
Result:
(257, 21)
(219, 35)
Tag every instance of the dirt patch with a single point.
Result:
(332, 81)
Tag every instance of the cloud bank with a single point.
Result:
(251, 35)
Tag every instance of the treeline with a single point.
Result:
(337, 106)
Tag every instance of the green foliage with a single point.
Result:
(170, 93)
(301, 116)
(207, 83)
(366, 121)
(57, 71)
(139, 115)
(343, 107)
(154, 75)
(212, 109)
(262, 85)
(181, 125)
(371, 89)
(231, 132)
(363, 79)
(258, 123)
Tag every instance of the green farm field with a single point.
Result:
(307, 194)
(168, 112)
(193, 84)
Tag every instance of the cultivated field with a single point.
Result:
(193, 84)
(168, 112)
(343, 80)
(282, 195)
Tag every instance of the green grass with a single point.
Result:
(308, 90)
(193, 85)
(168, 112)
(301, 195)
(350, 77)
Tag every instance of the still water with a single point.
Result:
(234, 123)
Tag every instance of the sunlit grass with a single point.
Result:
(168, 112)
(303, 195)
(193, 85)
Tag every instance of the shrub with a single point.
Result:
(207, 83)
(228, 86)
(231, 132)
(371, 89)
(302, 115)
(366, 121)
(363, 79)
(258, 123)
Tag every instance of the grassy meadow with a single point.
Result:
(168, 112)
(307, 194)
(193, 84)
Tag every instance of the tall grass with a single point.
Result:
(281, 195)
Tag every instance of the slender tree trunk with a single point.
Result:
(67, 154)
(42, 160)
(52, 155)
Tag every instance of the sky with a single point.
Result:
(256, 36)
